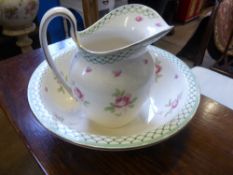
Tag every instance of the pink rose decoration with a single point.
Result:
(88, 70)
(146, 61)
(158, 24)
(46, 89)
(138, 18)
(158, 68)
(122, 101)
(78, 94)
(174, 103)
(117, 73)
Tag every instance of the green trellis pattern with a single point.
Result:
(123, 10)
(107, 59)
(120, 55)
(107, 142)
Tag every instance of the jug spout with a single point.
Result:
(121, 33)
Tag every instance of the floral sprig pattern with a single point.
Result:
(138, 18)
(60, 88)
(88, 70)
(117, 73)
(80, 96)
(158, 69)
(173, 103)
(158, 24)
(122, 101)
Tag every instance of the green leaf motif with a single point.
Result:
(86, 103)
(133, 100)
(117, 93)
(131, 106)
(113, 108)
(66, 78)
(110, 108)
(61, 89)
(122, 93)
(118, 114)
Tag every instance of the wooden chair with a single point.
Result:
(91, 13)
(224, 65)
(212, 84)
(203, 39)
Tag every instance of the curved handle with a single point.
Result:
(49, 15)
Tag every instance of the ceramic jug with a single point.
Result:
(112, 71)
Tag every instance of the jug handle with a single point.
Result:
(50, 15)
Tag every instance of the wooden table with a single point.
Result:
(204, 146)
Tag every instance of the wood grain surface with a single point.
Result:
(204, 146)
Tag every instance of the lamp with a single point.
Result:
(16, 17)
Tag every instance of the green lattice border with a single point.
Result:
(123, 142)
(120, 11)
(126, 52)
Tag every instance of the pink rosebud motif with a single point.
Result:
(146, 61)
(88, 70)
(174, 103)
(158, 68)
(176, 76)
(138, 18)
(46, 89)
(158, 24)
(117, 73)
(122, 101)
(78, 94)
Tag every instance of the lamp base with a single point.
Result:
(23, 40)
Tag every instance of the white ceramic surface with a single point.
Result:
(110, 50)
(173, 101)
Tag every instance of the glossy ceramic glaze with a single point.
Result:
(173, 100)
(18, 14)
(107, 73)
